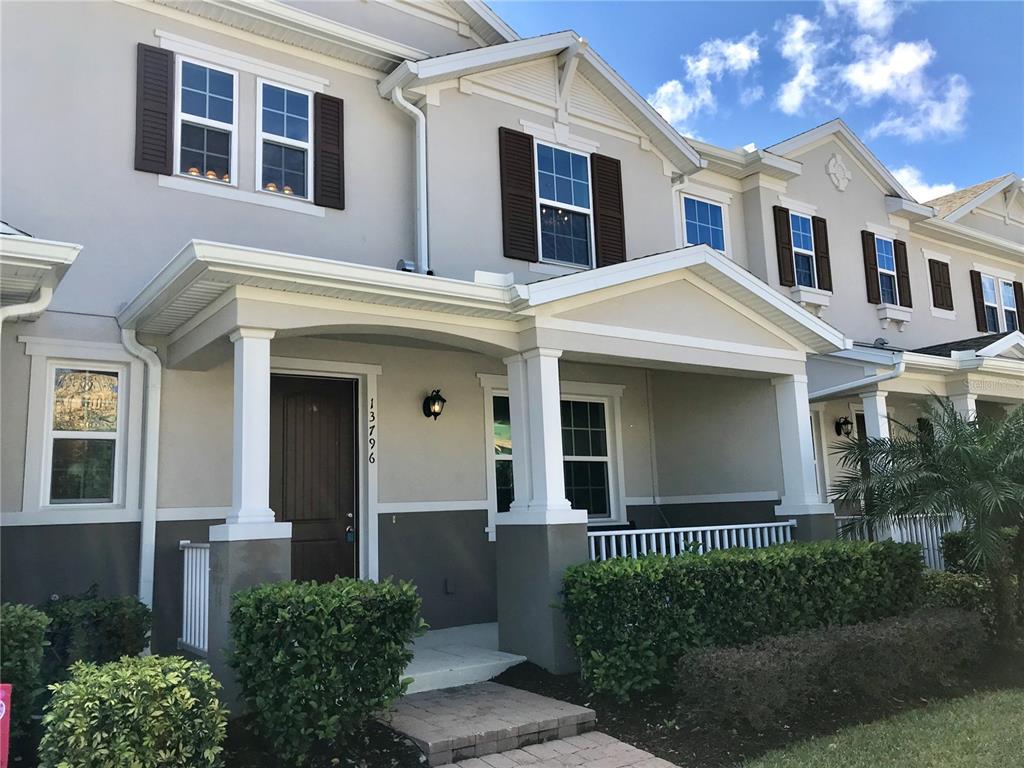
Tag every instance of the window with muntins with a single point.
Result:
(83, 436)
(563, 191)
(988, 293)
(286, 139)
(803, 249)
(207, 119)
(503, 453)
(886, 261)
(1010, 316)
(704, 223)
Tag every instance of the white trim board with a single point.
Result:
(705, 498)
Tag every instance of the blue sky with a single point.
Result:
(936, 89)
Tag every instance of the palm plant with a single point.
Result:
(947, 466)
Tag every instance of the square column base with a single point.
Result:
(236, 565)
(531, 560)
(814, 522)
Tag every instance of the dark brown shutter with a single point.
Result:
(784, 246)
(518, 194)
(942, 287)
(1018, 294)
(609, 221)
(822, 263)
(328, 151)
(867, 241)
(979, 301)
(154, 110)
(899, 249)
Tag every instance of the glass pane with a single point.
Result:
(193, 137)
(502, 427)
(193, 103)
(503, 475)
(83, 470)
(563, 163)
(273, 122)
(547, 186)
(717, 239)
(295, 183)
(565, 236)
(297, 128)
(691, 233)
(273, 98)
(716, 216)
(887, 283)
(1011, 320)
(294, 159)
(691, 209)
(298, 104)
(580, 194)
(579, 168)
(1009, 300)
(991, 319)
(545, 159)
(284, 169)
(804, 269)
(84, 401)
(563, 190)
(586, 486)
(220, 110)
(988, 289)
(193, 76)
(221, 84)
(205, 152)
(218, 143)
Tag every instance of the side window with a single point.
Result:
(564, 200)
(803, 249)
(286, 140)
(1010, 309)
(704, 224)
(988, 291)
(503, 452)
(886, 260)
(206, 121)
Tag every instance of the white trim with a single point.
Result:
(205, 122)
(1015, 339)
(986, 269)
(177, 514)
(705, 498)
(206, 187)
(554, 268)
(250, 531)
(542, 201)
(75, 514)
(723, 206)
(798, 206)
(981, 199)
(559, 135)
(407, 507)
(803, 251)
(262, 137)
(711, 194)
(930, 255)
(883, 231)
(225, 58)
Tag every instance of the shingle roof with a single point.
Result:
(946, 204)
(973, 343)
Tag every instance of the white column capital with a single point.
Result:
(529, 354)
(250, 333)
(794, 378)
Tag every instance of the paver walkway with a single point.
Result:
(588, 750)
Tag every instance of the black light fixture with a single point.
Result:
(844, 426)
(433, 404)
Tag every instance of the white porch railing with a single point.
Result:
(677, 541)
(927, 532)
(195, 597)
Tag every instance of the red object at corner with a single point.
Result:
(5, 722)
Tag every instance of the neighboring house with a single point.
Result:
(316, 221)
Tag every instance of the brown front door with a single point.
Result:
(312, 472)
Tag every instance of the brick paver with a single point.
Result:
(588, 750)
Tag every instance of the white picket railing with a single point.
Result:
(677, 541)
(195, 597)
(927, 532)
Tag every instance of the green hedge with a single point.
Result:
(94, 629)
(152, 712)
(957, 548)
(315, 661)
(781, 680)
(22, 639)
(630, 620)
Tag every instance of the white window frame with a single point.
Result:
(804, 251)
(998, 281)
(1004, 309)
(46, 355)
(723, 207)
(283, 140)
(895, 279)
(232, 129)
(608, 459)
(545, 201)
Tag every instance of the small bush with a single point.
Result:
(630, 620)
(147, 712)
(315, 661)
(957, 548)
(22, 638)
(99, 630)
(964, 591)
(780, 680)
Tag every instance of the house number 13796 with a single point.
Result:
(371, 429)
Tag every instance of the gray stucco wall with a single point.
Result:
(717, 513)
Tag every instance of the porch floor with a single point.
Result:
(445, 658)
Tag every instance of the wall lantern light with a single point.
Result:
(844, 426)
(433, 404)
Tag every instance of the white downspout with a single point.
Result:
(151, 447)
(37, 305)
(422, 244)
(853, 386)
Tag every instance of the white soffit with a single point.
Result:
(26, 263)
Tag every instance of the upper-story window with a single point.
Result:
(286, 139)
(1010, 316)
(704, 223)
(886, 260)
(563, 191)
(207, 121)
(803, 249)
(1000, 301)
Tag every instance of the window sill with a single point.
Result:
(556, 268)
(893, 313)
(813, 299)
(82, 514)
(222, 190)
(945, 314)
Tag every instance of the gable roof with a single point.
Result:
(988, 345)
(484, 21)
(841, 130)
(665, 138)
(954, 205)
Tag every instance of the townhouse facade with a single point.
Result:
(384, 290)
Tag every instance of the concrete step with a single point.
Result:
(483, 719)
(448, 666)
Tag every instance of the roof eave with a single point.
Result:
(988, 194)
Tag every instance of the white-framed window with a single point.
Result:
(284, 129)
(1011, 318)
(85, 433)
(885, 257)
(206, 121)
(802, 234)
(1001, 310)
(991, 298)
(564, 206)
(703, 223)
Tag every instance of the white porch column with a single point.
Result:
(795, 439)
(876, 417)
(966, 405)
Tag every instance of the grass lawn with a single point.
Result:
(980, 731)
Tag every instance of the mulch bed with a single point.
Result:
(654, 724)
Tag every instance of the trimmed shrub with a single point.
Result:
(315, 661)
(22, 638)
(630, 620)
(964, 591)
(957, 547)
(99, 630)
(780, 680)
(143, 712)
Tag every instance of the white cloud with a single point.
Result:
(799, 47)
(910, 177)
(870, 15)
(937, 116)
(889, 70)
(677, 105)
(751, 95)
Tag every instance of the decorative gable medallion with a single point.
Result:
(838, 172)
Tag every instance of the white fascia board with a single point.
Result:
(921, 361)
(1011, 340)
(907, 208)
(865, 356)
(487, 16)
(988, 194)
(840, 128)
(33, 250)
(959, 235)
